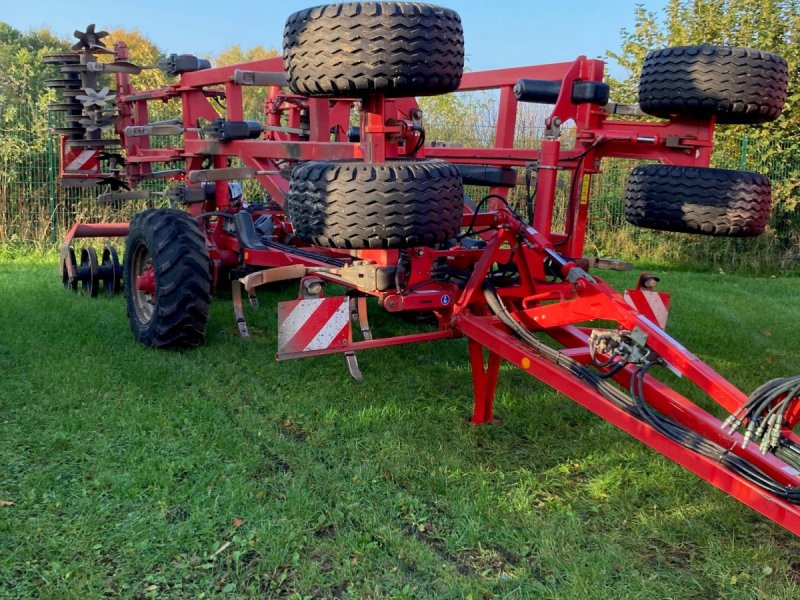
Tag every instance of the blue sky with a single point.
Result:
(503, 33)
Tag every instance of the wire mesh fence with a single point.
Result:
(36, 211)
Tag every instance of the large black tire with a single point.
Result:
(737, 85)
(361, 48)
(175, 315)
(694, 200)
(375, 205)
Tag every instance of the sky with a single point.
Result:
(498, 34)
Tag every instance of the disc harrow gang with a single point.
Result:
(381, 210)
(87, 275)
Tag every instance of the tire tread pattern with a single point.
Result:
(355, 205)
(182, 266)
(738, 85)
(716, 202)
(360, 48)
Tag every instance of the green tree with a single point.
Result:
(23, 95)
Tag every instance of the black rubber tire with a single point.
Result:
(715, 202)
(398, 204)
(362, 48)
(172, 242)
(737, 85)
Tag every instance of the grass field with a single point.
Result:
(134, 473)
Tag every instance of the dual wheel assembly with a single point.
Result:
(357, 50)
(90, 273)
(733, 86)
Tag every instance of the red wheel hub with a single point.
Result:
(146, 282)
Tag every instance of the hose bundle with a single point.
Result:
(765, 413)
(634, 403)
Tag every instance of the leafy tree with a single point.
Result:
(23, 95)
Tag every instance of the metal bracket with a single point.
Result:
(633, 110)
(221, 174)
(253, 280)
(676, 142)
(154, 129)
(610, 264)
(258, 78)
(116, 196)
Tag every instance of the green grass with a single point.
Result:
(218, 472)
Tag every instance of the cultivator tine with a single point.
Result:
(358, 313)
(238, 309)
(252, 298)
(352, 366)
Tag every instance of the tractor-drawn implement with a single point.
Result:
(358, 197)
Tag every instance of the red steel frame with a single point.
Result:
(558, 308)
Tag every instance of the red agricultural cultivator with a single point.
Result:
(358, 198)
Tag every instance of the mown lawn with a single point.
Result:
(134, 473)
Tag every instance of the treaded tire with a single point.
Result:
(176, 314)
(361, 48)
(398, 204)
(738, 85)
(715, 202)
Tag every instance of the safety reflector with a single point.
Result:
(653, 305)
(313, 325)
(81, 160)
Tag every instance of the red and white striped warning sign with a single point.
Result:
(653, 305)
(81, 160)
(313, 324)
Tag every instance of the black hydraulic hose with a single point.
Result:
(636, 405)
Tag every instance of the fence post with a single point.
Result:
(51, 178)
(743, 154)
